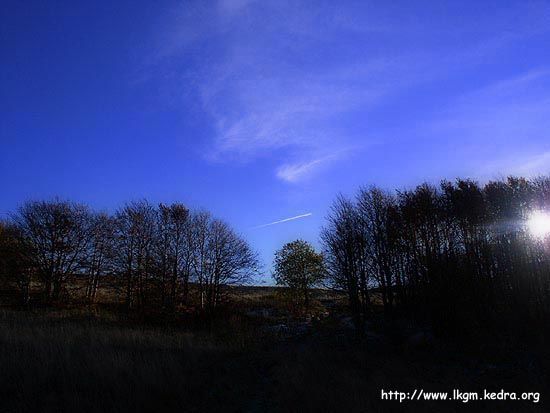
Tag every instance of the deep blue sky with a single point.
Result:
(265, 110)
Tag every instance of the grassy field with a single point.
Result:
(95, 359)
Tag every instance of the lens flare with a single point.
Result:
(539, 224)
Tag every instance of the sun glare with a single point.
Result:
(539, 224)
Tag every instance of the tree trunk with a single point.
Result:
(47, 290)
(25, 293)
(56, 293)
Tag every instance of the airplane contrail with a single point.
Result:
(284, 220)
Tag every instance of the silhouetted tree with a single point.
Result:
(458, 255)
(221, 258)
(344, 249)
(58, 234)
(374, 209)
(16, 261)
(173, 251)
(99, 257)
(136, 226)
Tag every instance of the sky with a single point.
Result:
(263, 111)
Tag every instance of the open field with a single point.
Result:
(254, 358)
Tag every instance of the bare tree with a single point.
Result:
(200, 235)
(374, 208)
(99, 258)
(220, 257)
(173, 251)
(135, 237)
(58, 234)
(458, 255)
(234, 260)
(344, 252)
(16, 261)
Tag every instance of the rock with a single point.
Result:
(420, 340)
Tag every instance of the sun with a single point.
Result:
(539, 224)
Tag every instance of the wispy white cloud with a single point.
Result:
(295, 172)
(300, 170)
(280, 79)
(265, 90)
(498, 128)
(257, 113)
(538, 164)
(527, 164)
(284, 220)
(507, 110)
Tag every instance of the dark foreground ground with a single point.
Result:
(78, 359)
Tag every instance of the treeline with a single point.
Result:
(150, 253)
(458, 255)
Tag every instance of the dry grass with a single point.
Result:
(82, 359)
(61, 364)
